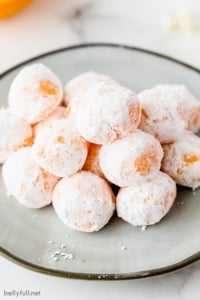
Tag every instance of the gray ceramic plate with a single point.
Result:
(171, 244)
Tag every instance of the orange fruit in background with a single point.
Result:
(11, 7)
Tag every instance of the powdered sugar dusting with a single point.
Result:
(56, 254)
(144, 228)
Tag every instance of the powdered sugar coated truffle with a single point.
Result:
(161, 113)
(81, 83)
(188, 105)
(182, 160)
(131, 159)
(26, 181)
(34, 93)
(59, 148)
(15, 133)
(84, 201)
(107, 112)
(146, 203)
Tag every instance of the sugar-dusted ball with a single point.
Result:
(148, 202)
(15, 133)
(59, 148)
(107, 112)
(188, 106)
(182, 160)
(34, 93)
(131, 159)
(84, 201)
(57, 114)
(167, 110)
(31, 185)
(81, 83)
(92, 163)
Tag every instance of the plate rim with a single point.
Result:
(122, 276)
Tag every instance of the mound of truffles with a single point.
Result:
(69, 146)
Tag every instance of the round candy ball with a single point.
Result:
(131, 159)
(15, 133)
(188, 105)
(84, 201)
(59, 148)
(34, 93)
(162, 113)
(107, 112)
(146, 203)
(182, 160)
(31, 185)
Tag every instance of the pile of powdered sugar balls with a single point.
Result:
(68, 147)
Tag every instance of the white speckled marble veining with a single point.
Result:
(48, 24)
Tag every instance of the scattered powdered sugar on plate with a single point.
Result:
(57, 253)
(179, 203)
(143, 228)
(34, 216)
(121, 245)
(67, 255)
(194, 192)
(55, 258)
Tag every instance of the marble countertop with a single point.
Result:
(48, 24)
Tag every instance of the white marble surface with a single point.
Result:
(50, 24)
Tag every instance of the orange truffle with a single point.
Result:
(131, 159)
(167, 110)
(59, 148)
(84, 201)
(107, 112)
(182, 160)
(15, 133)
(148, 202)
(31, 185)
(34, 93)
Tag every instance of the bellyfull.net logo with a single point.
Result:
(21, 293)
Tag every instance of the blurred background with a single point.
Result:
(45, 25)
